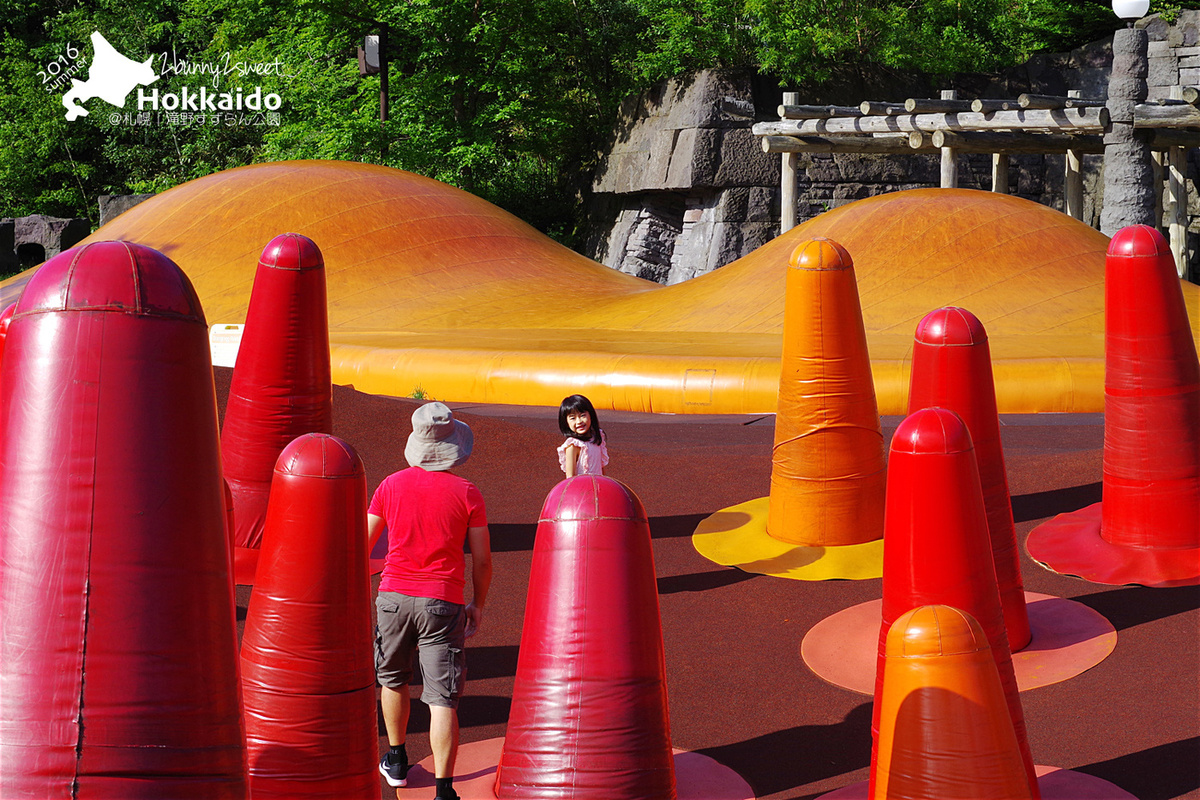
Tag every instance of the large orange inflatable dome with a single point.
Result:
(434, 289)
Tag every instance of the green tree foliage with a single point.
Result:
(510, 99)
(804, 41)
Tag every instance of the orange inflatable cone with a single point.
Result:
(952, 368)
(1146, 529)
(827, 467)
(945, 730)
(307, 677)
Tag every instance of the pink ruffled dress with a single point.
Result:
(592, 457)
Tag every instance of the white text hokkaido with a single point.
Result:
(204, 100)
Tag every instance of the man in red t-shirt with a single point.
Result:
(429, 513)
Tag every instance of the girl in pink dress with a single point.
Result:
(585, 452)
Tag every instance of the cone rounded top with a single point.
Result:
(6, 316)
(932, 431)
(935, 630)
(820, 254)
(950, 326)
(319, 455)
(591, 497)
(1138, 240)
(292, 251)
(111, 276)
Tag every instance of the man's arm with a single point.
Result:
(480, 544)
(374, 528)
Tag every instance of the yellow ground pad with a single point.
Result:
(737, 537)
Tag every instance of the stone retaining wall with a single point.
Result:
(685, 189)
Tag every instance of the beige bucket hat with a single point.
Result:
(438, 441)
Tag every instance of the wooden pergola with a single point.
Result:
(1031, 124)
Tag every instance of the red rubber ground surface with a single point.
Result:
(739, 692)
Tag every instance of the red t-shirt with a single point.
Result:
(427, 516)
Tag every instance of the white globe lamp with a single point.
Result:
(1130, 9)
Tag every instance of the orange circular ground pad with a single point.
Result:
(697, 777)
(1054, 783)
(737, 537)
(1068, 638)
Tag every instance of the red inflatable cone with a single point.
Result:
(936, 545)
(307, 674)
(118, 659)
(952, 368)
(589, 709)
(945, 729)
(5, 321)
(281, 385)
(1146, 530)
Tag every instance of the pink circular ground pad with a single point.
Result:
(1054, 783)
(1068, 639)
(697, 777)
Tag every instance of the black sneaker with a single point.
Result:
(452, 796)
(395, 774)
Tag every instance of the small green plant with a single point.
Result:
(419, 393)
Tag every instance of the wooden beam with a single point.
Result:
(988, 106)
(841, 144)
(1152, 115)
(870, 107)
(816, 112)
(1047, 101)
(944, 105)
(1078, 120)
(918, 140)
(1166, 138)
(1018, 142)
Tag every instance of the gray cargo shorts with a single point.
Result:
(436, 629)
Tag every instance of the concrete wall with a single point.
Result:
(28, 241)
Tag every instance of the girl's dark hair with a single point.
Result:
(577, 403)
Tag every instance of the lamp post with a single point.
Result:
(366, 68)
(1129, 186)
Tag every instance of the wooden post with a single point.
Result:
(1000, 173)
(787, 188)
(1073, 178)
(1158, 160)
(1177, 222)
(949, 155)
